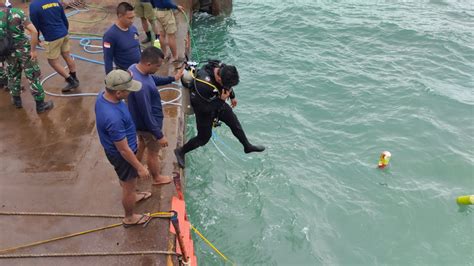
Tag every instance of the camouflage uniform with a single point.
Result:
(3, 74)
(20, 58)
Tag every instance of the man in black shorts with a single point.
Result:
(119, 138)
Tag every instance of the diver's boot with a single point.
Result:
(16, 100)
(71, 84)
(42, 106)
(254, 148)
(179, 156)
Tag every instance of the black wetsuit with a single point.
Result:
(207, 106)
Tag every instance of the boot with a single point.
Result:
(148, 37)
(3, 84)
(254, 148)
(179, 157)
(71, 84)
(73, 75)
(16, 100)
(42, 106)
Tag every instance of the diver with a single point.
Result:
(210, 88)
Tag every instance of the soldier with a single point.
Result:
(3, 75)
(23, 57)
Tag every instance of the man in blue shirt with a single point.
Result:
(121, 43)
(49, 19)
(118, 137)
(147, 111)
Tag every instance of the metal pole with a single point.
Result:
(175, 222)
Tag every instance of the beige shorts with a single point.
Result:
(150, 141)
(167, 21)
(55, 48)
(144, 10)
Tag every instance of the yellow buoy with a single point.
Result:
(384, 159)
(465, 200)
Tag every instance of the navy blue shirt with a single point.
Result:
(163, 4)
(49, 19)
(121, 47)
(145, 104)
(114, 123)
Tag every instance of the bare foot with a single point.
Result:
(162, 180)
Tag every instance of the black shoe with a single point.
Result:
(42, 106)
(71, 85)
(254, 148)
(179, 157)
(3, 84)
(16, 100)
(73, 75)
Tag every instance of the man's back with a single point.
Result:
(49, 18)
(114, 123)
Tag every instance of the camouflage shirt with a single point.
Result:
(16, 25)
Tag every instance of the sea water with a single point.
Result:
(327, 86)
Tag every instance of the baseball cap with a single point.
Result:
(121, 80)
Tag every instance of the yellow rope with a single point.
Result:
(156, 214)
(211, 245)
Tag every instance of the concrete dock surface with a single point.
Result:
(54, 163)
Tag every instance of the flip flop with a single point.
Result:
(163, 183)
(143, 219)
(146, 195)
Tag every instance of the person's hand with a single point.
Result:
(225, 94)
(233, 102)
(163, 142)
(33, 55)
(143, 172)
(181, 8)
(179, 74)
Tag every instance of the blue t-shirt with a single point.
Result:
(163, 4)
(145, 104)
(121, 47)
(114, 123)
(49, 19)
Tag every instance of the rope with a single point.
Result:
(154, 215)
(191, 39)
(62, 214)
(211, 245)
(86, 8)
(88, 254)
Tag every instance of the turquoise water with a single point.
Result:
(327, 86)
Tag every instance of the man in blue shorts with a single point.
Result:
(121, 43)
(119, 138)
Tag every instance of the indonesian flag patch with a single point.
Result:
(106, 45)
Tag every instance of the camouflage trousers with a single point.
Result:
(20, 61)
(3, 73)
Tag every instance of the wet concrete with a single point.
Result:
(54, 162)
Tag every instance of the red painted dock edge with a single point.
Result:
(185, 227)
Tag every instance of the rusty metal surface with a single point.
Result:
(54, 162)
